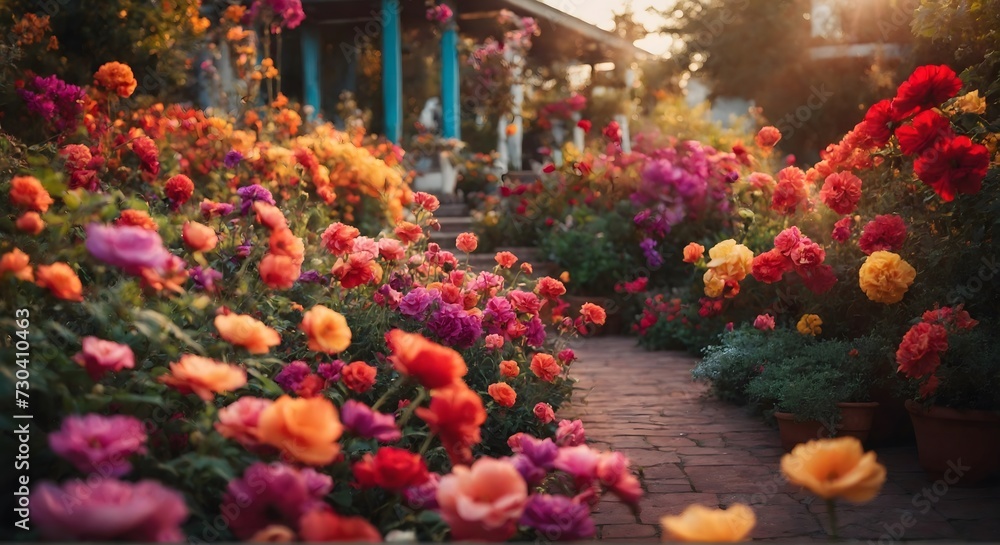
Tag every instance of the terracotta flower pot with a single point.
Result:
(794, 432)
(856, 419)
(960, 446)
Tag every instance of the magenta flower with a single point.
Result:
(252, 193)
(558, 518)
(108, 510)
(99, 444)
(440, 14)
(455, 327)
(54, 100)
(579, 461)
(331, 371)
(98, 357)
(362, 421)
(291, 376)
(535, 335)
(272, 494)
(764, 322)
(130, 248)
(416, 303)
(423, 496)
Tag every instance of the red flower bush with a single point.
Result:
(927, 127)
(841, 192)
(926, 88)
(952, 166)
(919, 353)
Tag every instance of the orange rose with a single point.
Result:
(545, 367)
(503, 394)
(408, 232)
(137, 218)
(509, 369)
(31, 223)
(283, 242)
(483, 502)
(321, 525)
(199, 237)
(117, 78)
(358, 376)
(27, 192)
(270, 216)
(204, 377)
(245, 331)
(593, 313)
(455, 414)
(835, 468)
(467, 243)
(279, 272)
(693, 252)
(18, 264)
(550, 288)
(60, 280)
(433, 365)
(305, 429)
(327, 330)
(505, 259)
(705, 525)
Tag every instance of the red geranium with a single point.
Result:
(926, 129)
(841, 192)
(886, 232)
(842, 230)
(918, 354)
(927, 87)
(953, 165)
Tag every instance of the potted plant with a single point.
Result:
(823, 390)
(954, 365)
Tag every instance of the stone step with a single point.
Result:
(521, 176)
(451, 210)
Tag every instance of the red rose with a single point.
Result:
(391, 468)
(770, 266)
(842, 230)
(818, 279)
(953, 165)
(926, 129)
(790, 194)
(926, 88)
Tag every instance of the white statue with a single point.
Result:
(431, 115)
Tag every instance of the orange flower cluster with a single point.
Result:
(116, 78)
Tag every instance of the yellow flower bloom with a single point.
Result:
(809, 324)
(971, 103)
(885, 277)
(835, 468)
(730, 260)
(704, 525)
(714, 284)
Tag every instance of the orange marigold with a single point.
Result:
(27, 192)
(358, 376)
(503, 394)
(545, 367)
(60, 280)
(117, 78)
(245, 331)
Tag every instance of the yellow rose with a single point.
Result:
(809, 324)
(714, 284)
(835, 468)
(730, 260)
(327, 330)
(971, 103)
(885, 277)
(705, 525)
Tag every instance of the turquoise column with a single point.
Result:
(392, 70)
(450, 101)
(311, 86)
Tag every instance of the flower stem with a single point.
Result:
(831, 509)
(391, 391)
(427, 443)
(421, 396)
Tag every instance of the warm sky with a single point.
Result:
(600, 12)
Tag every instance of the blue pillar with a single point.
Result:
(450, 100)
(392, 70)
(311, 86)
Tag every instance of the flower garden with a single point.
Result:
(242, 324)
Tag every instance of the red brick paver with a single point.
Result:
(690, 448)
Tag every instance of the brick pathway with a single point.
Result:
(693, 449)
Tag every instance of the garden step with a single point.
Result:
(450, 210)
(521, 176)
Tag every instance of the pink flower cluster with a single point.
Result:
(794, 251)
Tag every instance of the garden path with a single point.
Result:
(690, 448)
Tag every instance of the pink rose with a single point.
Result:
(99, 357)
(569, 434)
(764, 322)
(482, 502)
(130, 248)
(613, 471)
(391, 249)
(494, 341)
(524, 302)
(579, 461)
(544, 413)
(238, 421)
